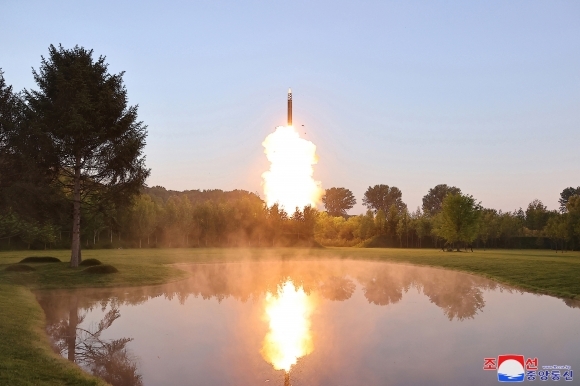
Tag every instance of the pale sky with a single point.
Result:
(481, 95)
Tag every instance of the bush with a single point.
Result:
(19, 268)
(90, 262)
(101, 269)
(380, 241)
(40, 259)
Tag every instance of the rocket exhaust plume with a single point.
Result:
(288, 314)
(289, 180)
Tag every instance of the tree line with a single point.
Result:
(448, 219)
(72, 174)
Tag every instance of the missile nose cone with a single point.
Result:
(289, 90)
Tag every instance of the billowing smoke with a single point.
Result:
(289, 181)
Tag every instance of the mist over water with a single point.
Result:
(363, 323)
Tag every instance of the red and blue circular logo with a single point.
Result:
(510, 368)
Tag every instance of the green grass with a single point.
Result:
(25, 354)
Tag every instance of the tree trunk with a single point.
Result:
(75, 257)
(73, 321)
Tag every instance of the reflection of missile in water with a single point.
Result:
(289, 107)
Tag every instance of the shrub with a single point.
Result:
(90, 262)
(19, 268)
(40, 259)
(101, 269)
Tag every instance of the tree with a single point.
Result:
(573, 208)
(95, 136)
(557, 229)
(458, 219)
(27, 190)
(337, 201)
(536, 215)
(565, 196)
(144, 215)
(367, 226)
(402, 228)
(382, 197)
(381, 222)
(487, 225)
(421, 224)
(9, 110)
(433, 200)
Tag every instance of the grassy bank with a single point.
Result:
(25, 354)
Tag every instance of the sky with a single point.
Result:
(482, 95)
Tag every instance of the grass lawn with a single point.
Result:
(25, 354)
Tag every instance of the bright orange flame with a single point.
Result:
(288, 313)
(289, 181)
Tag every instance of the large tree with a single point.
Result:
(565, 196)
(29, 201)
(337, 201)
(537, 215)
(95, 136)
(458, 219)
(381, 197)
(433, 200)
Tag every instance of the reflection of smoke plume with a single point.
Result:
(289, 181)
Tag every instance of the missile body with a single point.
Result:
(289, 107)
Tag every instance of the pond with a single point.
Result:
(321, 322)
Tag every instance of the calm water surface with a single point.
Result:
(310, 323)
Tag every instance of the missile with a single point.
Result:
(289, 107)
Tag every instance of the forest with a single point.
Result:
(158, 217)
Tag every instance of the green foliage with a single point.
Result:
(337, 201)
(421, 225)
(537, 215)
(402, 228)
(379, 241)
(458, 219)
(26, 357)
(573, 208)
(101, 269)
(367, 226)
(557, 229)
(565, 196)
(12, 225)
(433, 200)
(383, 197)
(95, 140)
